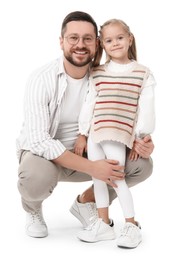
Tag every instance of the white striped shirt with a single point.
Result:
(42, 109)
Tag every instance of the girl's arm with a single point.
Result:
(146, 112)
(143, 145)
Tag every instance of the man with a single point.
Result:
(53, 99)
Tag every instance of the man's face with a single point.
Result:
(79, 43)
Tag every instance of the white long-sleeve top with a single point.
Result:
(146, 108)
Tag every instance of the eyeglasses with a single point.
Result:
(73, 39)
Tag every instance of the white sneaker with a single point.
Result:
(35, 224)
(97, 231)
(130, 236)
(84, 212)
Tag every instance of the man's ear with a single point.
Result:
(61, 41)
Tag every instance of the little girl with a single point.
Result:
(118, 109)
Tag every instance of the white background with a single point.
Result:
(29, 38)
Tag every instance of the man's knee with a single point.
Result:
(138, 171)
(37, 177)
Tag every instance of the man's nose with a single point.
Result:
(80, 41)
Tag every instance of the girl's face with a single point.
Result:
(116, 42)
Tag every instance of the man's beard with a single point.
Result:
(78, 63)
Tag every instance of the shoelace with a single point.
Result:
(93, 221)
(92, 209)
(127, 229)
(37, 216)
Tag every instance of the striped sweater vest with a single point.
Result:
(115, 111)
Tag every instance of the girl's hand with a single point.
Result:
(133, 155)
(80, 145)
(144, 147)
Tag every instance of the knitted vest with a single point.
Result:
(115, 111)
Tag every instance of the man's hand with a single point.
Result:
(144, 147)
(105, 170)
(108, 171)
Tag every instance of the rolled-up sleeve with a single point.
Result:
(38, 121)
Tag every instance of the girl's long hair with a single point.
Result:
(132, 52)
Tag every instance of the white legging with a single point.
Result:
(116, 151)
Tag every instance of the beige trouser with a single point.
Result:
(38, 177)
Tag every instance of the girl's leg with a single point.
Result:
(95, 152)
(117, 151)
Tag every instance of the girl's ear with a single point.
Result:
(130, 40)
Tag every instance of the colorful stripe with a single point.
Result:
(115, 108)
(117, 115)
(119, 96)
(116, 121)
(116, 102)
(114, 127)
(117, 77)
(118, 83)
(119, 89)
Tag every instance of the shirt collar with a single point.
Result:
(61, 69)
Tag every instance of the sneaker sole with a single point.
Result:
(97, 240)
(30, 234)
(37, 234)
(129, 246)
(77, 215)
